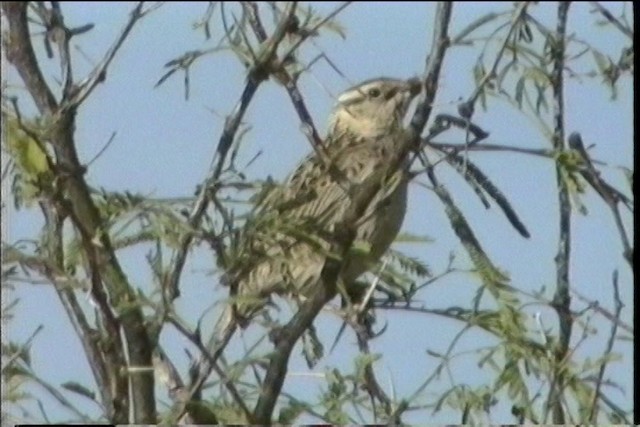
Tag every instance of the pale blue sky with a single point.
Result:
(164, 147)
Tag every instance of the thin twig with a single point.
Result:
(286, 338)
(257, 74)
(224, 378)
(608, 193)
(439, 45)
(251, 9)
(102, 150)
(517, 16)
(99, 73)
(315, 28)
(232, 123)
(484, 19)
(612, 19)
(371, 382)
(19, 353)
(595, 306)
(19, 52)
(593, 414)
(59, 397)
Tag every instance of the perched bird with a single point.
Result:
(283, 247)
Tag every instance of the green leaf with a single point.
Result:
(31, 172)
(519, 91)
(79, 389)
(364, 360)
(27, 152)
(603, 62)
(289, 413)
(412, 238)
(312, 347)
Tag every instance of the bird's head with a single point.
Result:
(374, 107)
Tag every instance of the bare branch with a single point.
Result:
(593, 415)
(439, 45)
(74, 201)
(255, 78)
(315, 28)
(517, 16)
(286, 338)
(371, 382)
(612, 19)
(251, 9)
(609, 195)
(257, 74)
(541, 152)
(20, 53)
(561, 299)
(595, 306)
(99, 73)
(212, 359)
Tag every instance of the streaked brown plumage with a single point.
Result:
(284, 246)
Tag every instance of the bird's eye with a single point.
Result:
(374, 92)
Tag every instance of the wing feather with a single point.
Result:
(289, 250)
